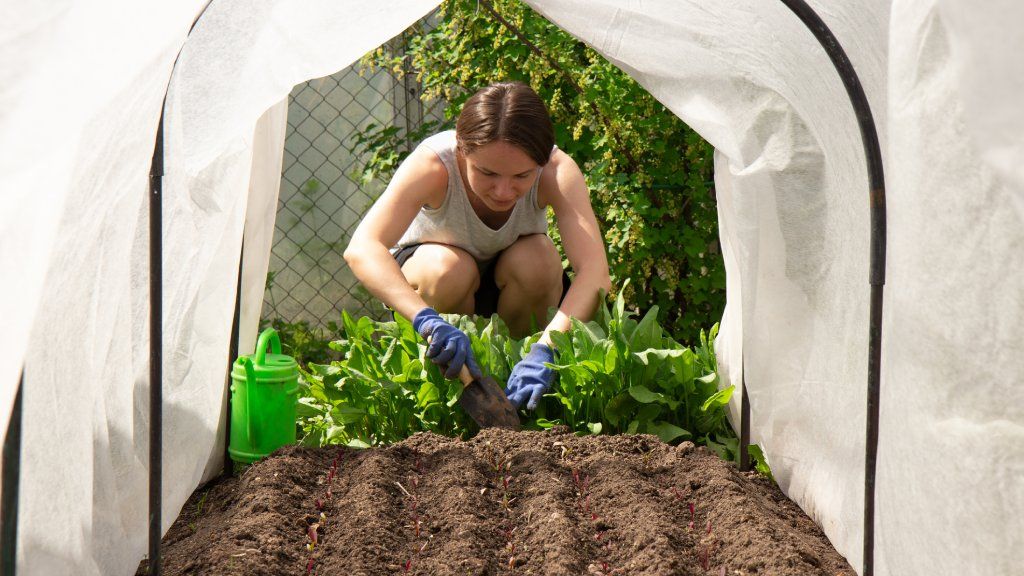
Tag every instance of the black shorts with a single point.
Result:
(486, 296)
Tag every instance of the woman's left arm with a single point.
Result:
(563, 187)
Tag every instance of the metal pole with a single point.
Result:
(232, 354)
(744, 422)
(876, 181)
(11, 477)
(155, 348)
(156, 283)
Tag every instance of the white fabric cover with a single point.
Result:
(79, 122)
(793, 207)
(792, 192)
(944, 79)
(951, 456)
(84, 118)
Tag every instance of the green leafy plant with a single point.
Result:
(615, 374)
(383, 388)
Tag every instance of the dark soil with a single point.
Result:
(543, 503)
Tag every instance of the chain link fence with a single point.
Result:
(322, 198)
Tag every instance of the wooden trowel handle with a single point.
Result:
(465, 376)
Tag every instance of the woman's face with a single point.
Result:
(500, 174)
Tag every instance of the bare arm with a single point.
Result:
(564, 189)
(421, 180)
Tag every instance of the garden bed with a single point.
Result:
(543, 503)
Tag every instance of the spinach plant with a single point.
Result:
(615, 374)
(384, 389)
(618, 374)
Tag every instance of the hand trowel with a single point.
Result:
(486, 402)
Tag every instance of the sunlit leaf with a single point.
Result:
(666, 431)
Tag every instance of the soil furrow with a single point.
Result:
(641, 534)
(555, 539)
(365, 536)
(753, 525)
(262, 522)
(460, 523)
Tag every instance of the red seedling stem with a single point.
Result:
(583, 500)
(503, 472)
(312, 529)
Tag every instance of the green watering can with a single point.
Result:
(264, 391)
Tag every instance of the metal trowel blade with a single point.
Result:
(487, 404)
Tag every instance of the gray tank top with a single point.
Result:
(455, 222)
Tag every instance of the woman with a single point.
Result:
(461, 228)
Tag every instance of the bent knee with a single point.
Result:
(436, 268)
(532, 263)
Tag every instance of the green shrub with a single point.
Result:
(303, 342)
(650, 176)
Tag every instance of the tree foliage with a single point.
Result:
(650, 176)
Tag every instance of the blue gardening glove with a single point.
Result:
(449, 347)
(530, 378)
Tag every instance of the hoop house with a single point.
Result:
(85, 86)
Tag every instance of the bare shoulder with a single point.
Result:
(561, 176)
(422, 176)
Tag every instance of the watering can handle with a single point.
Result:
(268, 336)
(250, 388)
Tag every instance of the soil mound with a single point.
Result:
(542, 503)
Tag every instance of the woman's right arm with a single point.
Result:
(421, 180)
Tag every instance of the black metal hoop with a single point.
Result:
(876, 197)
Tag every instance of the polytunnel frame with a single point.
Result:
(877, 248)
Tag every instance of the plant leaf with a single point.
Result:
(720, 398)
(346, 415)
(619, 407)
(666, 431)
(644, 395)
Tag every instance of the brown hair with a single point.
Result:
(509, 112)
